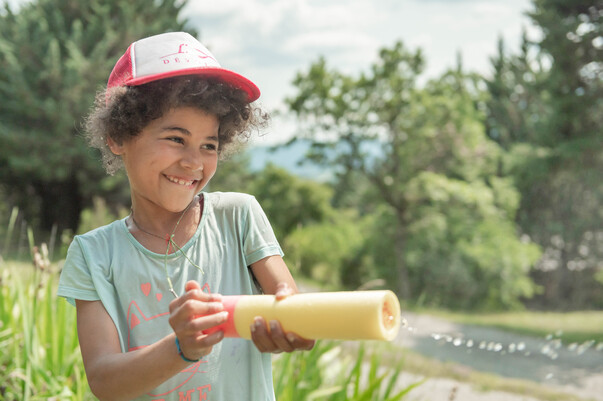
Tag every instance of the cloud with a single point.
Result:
(332, 43)
(271, 40)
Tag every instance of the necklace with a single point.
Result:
(169, 239)
(166, 238)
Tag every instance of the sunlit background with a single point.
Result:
(448, 150)
(270, 41)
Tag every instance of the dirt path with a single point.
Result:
(574, 369)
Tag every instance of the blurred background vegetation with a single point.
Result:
(464, 191)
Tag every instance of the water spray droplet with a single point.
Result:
(585, 346)
(521, 346)
(549, 376)
(469, 343)
(457, 342)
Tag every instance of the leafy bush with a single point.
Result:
(462, 250)
(323, 251)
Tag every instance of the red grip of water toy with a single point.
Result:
(227, 327)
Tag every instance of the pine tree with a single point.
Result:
(546, 108)
(54, 56)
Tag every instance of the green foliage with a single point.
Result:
(435, 183)
(328, 373)
(545, 107)
(572, 34)
(54, 56)
(289, 201)
(8, 234)
(99, 215)
(233, 174)
(41, 360)
(462, 249)
(40, 356)
(330, 251)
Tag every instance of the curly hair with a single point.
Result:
(123, 112)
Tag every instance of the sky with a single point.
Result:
(269, 41)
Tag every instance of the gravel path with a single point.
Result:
(575, 369)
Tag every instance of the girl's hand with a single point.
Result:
(192, 313)
(275, 340)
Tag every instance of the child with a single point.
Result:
(147, 286)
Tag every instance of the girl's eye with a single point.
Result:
(176, 139)
(210, 146)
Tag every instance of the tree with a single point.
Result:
(546, 108)
(54, 56)
(290, 202)
(233, 174)
(432, 149)
(344, 116)
(516, 106)
(330, 251)
(572, 38)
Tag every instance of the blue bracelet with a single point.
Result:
(182, 355)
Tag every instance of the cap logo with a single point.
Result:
(186, 54)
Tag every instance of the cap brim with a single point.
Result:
(229, 77)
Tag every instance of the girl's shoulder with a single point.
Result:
(104, 234)
(228, 200)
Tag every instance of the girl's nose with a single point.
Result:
(192, 161)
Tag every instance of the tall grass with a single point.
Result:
(40, 357)
(328, 373)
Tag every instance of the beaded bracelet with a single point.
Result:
(182, 355)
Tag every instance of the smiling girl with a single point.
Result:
(148, 287)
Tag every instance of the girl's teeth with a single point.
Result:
(179, 181)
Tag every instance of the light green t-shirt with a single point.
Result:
(110, 265)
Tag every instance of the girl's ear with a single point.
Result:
(115, 147)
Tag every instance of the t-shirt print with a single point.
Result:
(143, 324)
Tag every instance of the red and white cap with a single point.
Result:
(169, 55)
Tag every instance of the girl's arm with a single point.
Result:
(274, 277)
(114, 375)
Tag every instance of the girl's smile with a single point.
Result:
(181, 181)
(169, 162)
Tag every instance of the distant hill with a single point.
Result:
(289, 158)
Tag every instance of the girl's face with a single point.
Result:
(171, 160)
